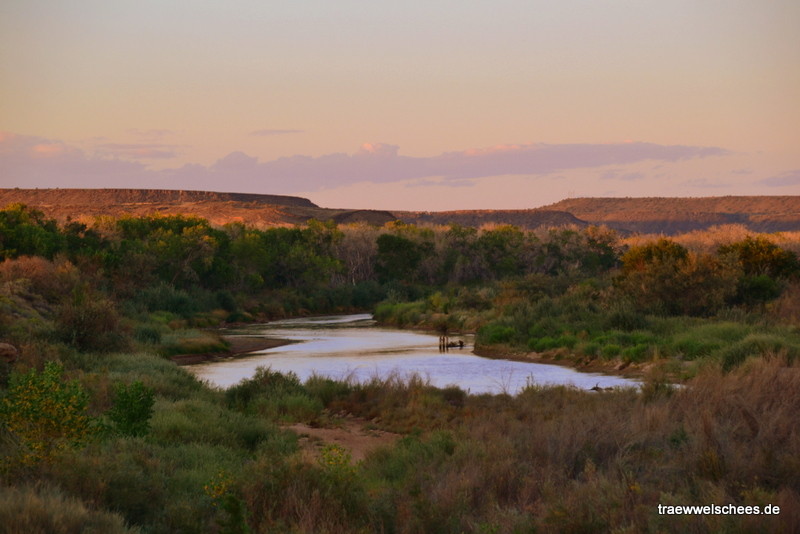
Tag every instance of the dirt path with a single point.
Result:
(354, 435)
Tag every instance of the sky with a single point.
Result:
(416, 105)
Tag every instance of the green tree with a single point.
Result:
(26, 231)
(398, 258)
(662, 277)
(763, 265)
(760, 256)
(46, 413)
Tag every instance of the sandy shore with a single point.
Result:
(239, 345)
(612, 367)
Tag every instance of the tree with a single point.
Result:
(663, 277)
(45, 412)
(398, 258)
(763, 264)
(26, 231)
(760, 256)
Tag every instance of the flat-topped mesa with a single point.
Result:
(141, 196)
(528, 219)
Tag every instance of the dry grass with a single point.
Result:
(47, 511)
(709, 240)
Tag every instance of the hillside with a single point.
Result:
(641, 215)
(528, 219)
(258, 210)
(677, 215)
(219, 208)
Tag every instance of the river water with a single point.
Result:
(354, 347)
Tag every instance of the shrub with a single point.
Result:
(756, 345)
(264, 383)
(691, 348)
(637, 353)
(46, 413)
(198, 421)
(132, 409)
(591, 348)
(90, 323)
(496, 333)
(164, 297)
(192, 342)
(147, 334)
(610, 351)
(624, 316)
(326, 389)
(163, 376)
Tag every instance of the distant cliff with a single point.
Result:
(670, 215)
(111, 197)
(659, 215)
(529, 219)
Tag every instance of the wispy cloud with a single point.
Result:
(702, 183)
(29, 161)
(36, 162)
(616, 174)
(152, 133)
(139, 150)
(787, 178)
(269, 132)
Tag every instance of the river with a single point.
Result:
(354, 347)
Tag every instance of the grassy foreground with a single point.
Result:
(550, 459)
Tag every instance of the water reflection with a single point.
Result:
(353, 347)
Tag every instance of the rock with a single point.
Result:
(8, 353)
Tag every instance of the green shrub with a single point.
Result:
(610, 351)
(591, 348)
(265, 383)
(494, 333)
(624, 316)
(691, 348)
(289, 407)
(756, 345)
(46, 413)
(192, 342)
(89, 323)
(198, 421)
(147, 334)
(567, 340)
(132, 409)
(637, 353)
(326, 389)
(162, 376)
(165, 297)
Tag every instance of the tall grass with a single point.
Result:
(48, 510)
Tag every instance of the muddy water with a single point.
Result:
(353, 346)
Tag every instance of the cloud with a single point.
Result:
(787, 178)
(703, 183)
(153, 133)
(139, 150)
(269, 132)
(383, 163)
(27, 161)
(616, 174)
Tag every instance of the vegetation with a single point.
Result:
(101, 432)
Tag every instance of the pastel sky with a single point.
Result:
(421, 105)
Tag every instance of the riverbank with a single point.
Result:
(237, 346)
(608, 367)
